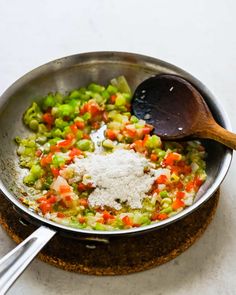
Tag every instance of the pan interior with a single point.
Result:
(79, 70)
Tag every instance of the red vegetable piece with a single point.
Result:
(127, 221)
(162, 179)
(177, 204)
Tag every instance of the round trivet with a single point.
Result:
(122, 255)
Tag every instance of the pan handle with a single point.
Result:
(15, 262)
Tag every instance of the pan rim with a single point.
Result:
(149, 61)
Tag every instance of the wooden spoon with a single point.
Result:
(176, 110)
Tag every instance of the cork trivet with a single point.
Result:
(123, 255)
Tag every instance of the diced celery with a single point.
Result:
(120, 100)
(167, 210)
(85, 145)
(107, 143)
(32, 112)
(99, 226)
(134, 119)
(164, 194)
(75, 94)
(65, 110)
(58, 160)
(86, 116)
(60, 123)
(95, 87)
(121, 84)
(153, 142)
(56, 133)
(49, 102)
(112, 89)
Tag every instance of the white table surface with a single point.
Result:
(198, 36)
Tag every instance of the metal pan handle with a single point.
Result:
(15, 262)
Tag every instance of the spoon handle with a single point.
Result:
(218, 133)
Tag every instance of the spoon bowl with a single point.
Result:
(177, 110)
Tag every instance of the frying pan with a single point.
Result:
(63, 75)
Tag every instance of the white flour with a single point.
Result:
(117, 177)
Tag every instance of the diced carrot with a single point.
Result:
(171, 158)
(110, 134)
(55, 171)
(138, 146)
(80, 125)
(65, 143)
(86, 136)
(54, 148)
(105, 117)
(38, 153)
(130, 131)
(162, 179)
(48, 118)
(154, 157)
(113, 98)
(127, 221)
(45, 207)
(63, 189)
(96, 125)
(146, 130)
(81, 187)
(46, 160)
(162, 216)
(42, 199)
(180, 195)
(106, 215)
(60, 215)
(74, 128)
(70, 136)
(83, 202)
(82, 219)
(177, 204)
(180, 185)
(189, 186)
(68, 198)
(75, 152)
(52, 199)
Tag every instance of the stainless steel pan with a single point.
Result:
(63, 75)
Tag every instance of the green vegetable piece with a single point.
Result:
(65, 110)
(49, 102)
(161, 154)
(57, 133)
(167, 210)
(99, 226)
(58, 160)
(122, 84)
(86, 116)
(58, 97)
(34, 124)
(75, 94)
(134, 119)
(85, 145)
(107, 143)
(164, 194)
(79, 134)
(60, 123)
(120, 100)
(32, 113)
(96, 88)
(145, 220)
(112, 89)
(98, 97)
(36, 171)
(105, 94)
(153, 142)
